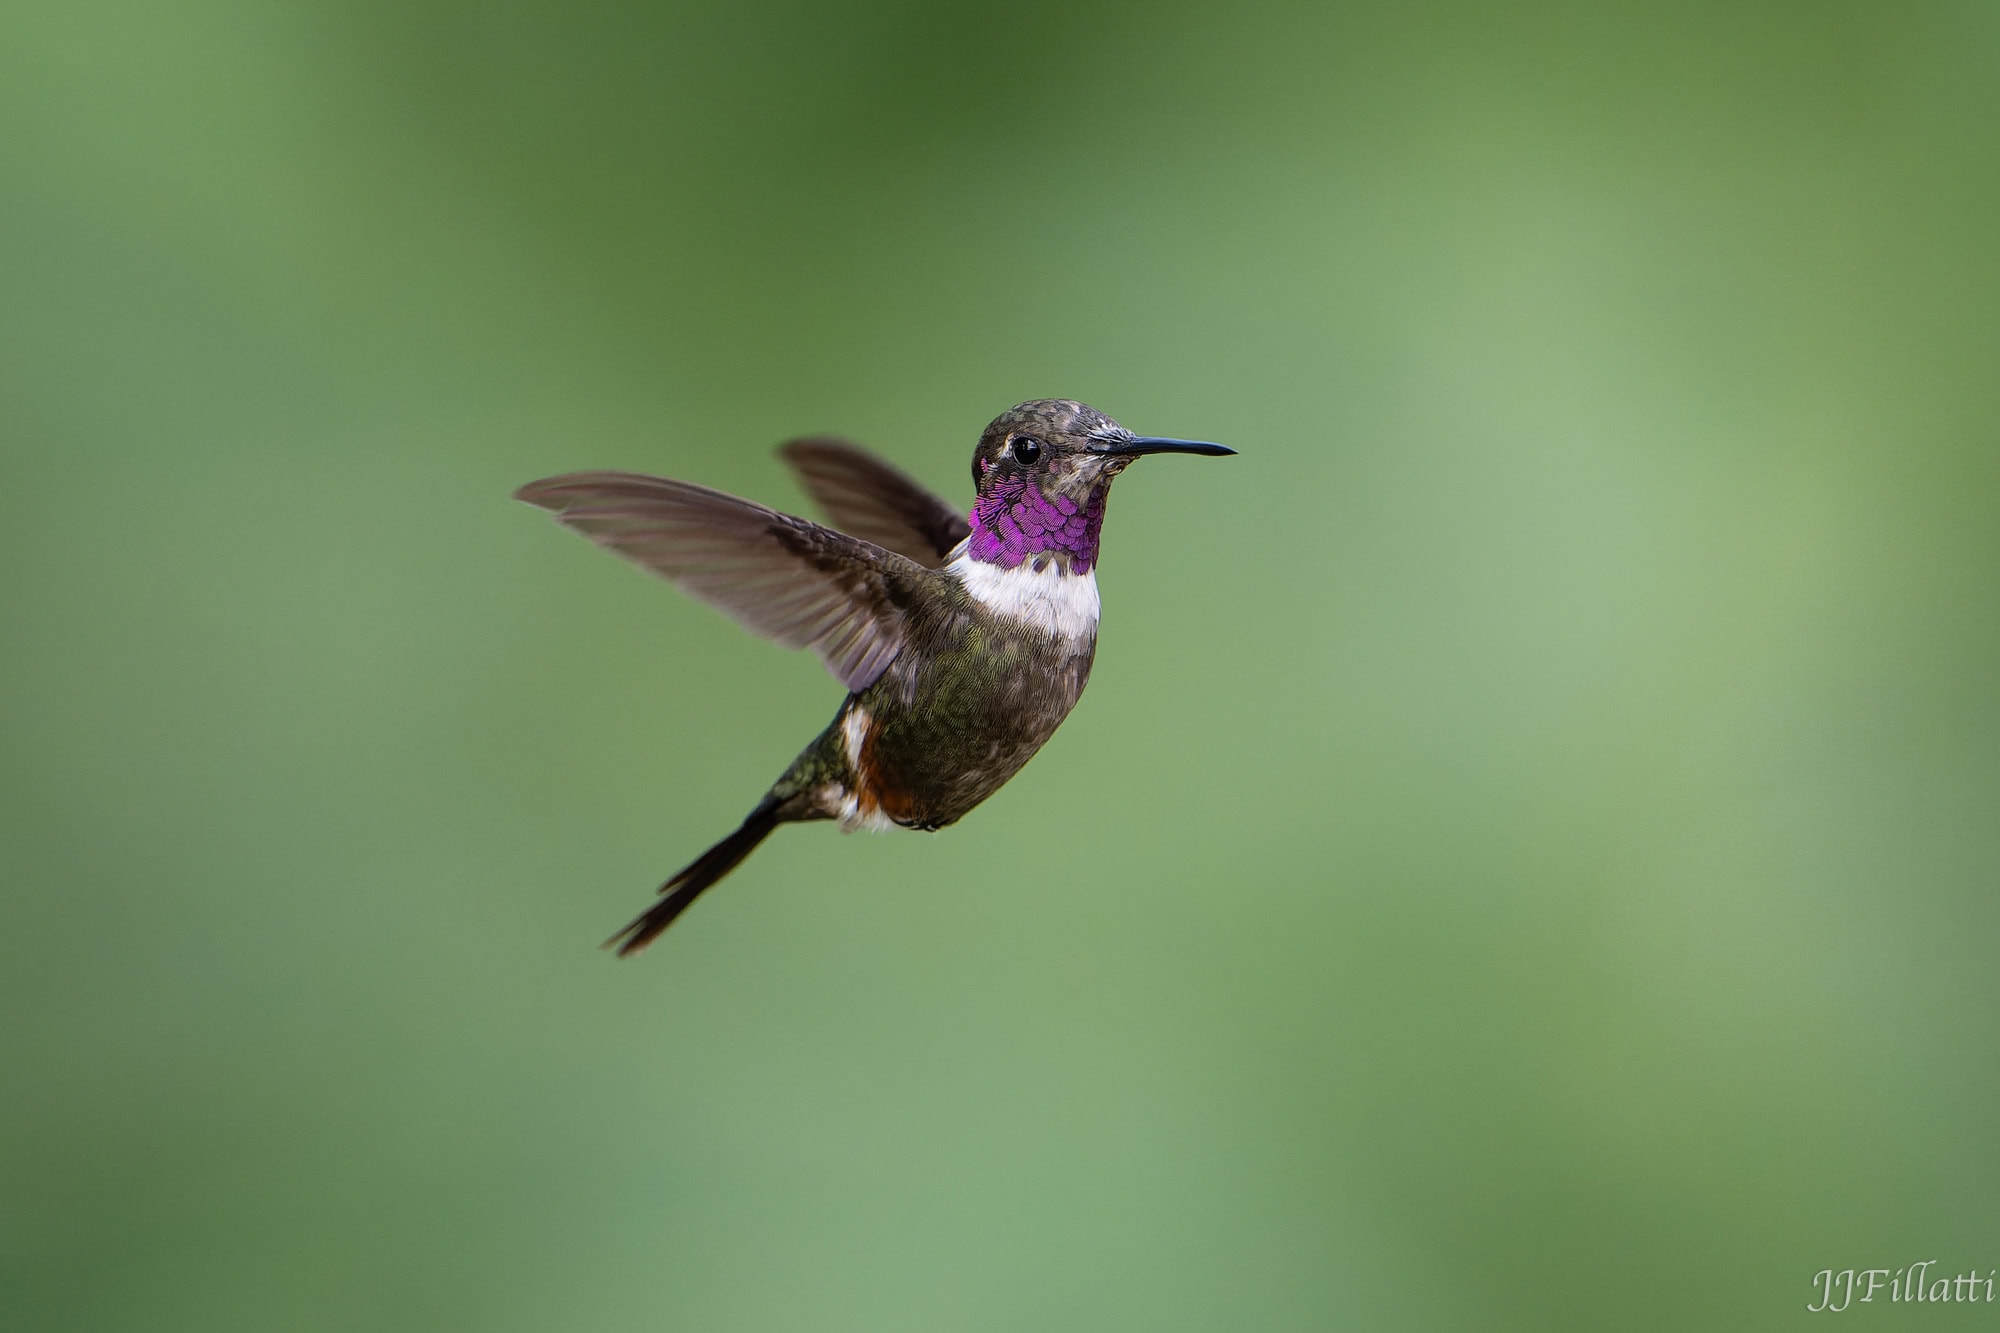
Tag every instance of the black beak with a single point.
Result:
(1134, 445)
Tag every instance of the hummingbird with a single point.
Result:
(964, 639)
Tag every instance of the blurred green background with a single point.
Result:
(1527, 857)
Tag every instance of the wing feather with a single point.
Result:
(876, 501)
(792, 581)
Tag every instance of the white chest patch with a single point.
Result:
(1064, 605)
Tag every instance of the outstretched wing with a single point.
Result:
(876, 501)
(796, 582)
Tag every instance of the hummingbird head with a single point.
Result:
(1043, 470)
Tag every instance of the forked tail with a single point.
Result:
(679, 892)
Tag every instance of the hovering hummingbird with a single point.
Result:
(963, 640)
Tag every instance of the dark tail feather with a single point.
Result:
(679, 893)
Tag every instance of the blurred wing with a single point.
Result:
(796, 582)
(876, 501)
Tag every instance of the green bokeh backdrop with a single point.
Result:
(1526, 859)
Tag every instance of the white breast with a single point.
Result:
(1056, 602)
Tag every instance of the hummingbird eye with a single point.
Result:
(1027, 448)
